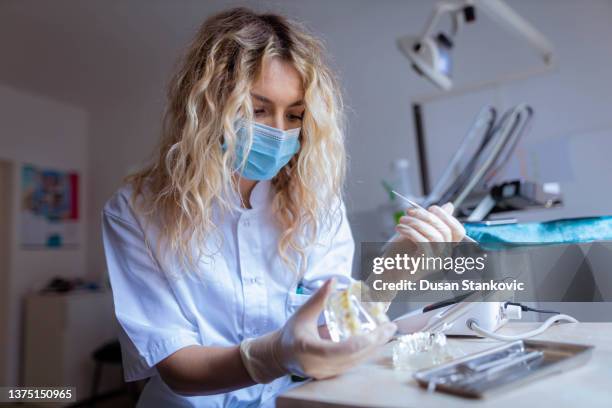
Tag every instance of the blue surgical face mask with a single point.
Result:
(272, 148)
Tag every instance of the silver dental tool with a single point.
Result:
(415, 205)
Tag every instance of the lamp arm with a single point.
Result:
(440, 9)
(513, 22)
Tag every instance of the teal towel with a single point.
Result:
(575, 230)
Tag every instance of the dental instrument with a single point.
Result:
(470, 146)
(496, 150)
(415, 205)
(474, 316)
(504, 367)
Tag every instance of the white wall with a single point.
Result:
(40, 131)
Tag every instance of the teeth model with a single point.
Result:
(346, 315)
(420, 350)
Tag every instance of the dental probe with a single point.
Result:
(415, 205)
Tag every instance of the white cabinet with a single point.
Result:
(61, 333)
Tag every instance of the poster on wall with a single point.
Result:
(49, 208)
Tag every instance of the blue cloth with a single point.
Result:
(574, 230)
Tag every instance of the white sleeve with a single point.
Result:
(331, 256)
(154, 326)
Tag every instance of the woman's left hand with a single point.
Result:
(436, 224)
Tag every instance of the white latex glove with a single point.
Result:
(298, 349)
(436, 224)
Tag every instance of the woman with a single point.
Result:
(221, 254)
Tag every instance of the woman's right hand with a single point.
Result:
(297, 347)
(436, 224)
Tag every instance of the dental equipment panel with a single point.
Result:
(472, 178)
(496, 148)
(516, 195)
(469, 147)
(452, 319)
(468, 317)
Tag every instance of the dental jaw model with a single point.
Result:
(346, 315)
(420, 350)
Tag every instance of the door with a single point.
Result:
(6, 200)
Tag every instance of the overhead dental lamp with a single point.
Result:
(430, 53)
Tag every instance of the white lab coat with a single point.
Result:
(244, 290)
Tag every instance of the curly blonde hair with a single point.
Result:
(191, 171)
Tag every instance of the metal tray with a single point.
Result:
(493, 370)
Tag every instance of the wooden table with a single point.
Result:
(376, 384)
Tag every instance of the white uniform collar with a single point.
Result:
(260, 196)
